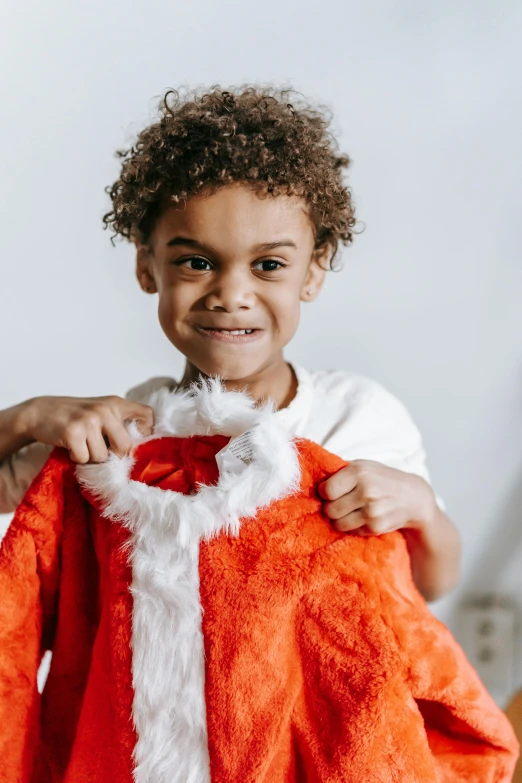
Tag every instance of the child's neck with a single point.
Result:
(276, 381)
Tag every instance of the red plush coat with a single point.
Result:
(224, 633)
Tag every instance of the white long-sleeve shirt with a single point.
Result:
(351, 415)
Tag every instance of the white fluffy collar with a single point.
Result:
(205, 409)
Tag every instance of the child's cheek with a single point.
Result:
(167, 316)
(288, 314)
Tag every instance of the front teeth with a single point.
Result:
(236, 331)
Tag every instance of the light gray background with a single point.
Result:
(427, 100)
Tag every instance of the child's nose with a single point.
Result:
(231, 293)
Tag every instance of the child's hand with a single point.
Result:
(371, 499)
(87, 427)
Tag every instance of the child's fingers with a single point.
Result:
(350, 523)
(117, 435)
(98, 451)
(338, 485)
(346, 504)
(75, 441)
(79, 452)
(363, 531)
(143, 414)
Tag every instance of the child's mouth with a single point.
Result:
(230, 335)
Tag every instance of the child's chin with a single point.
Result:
(231, 371)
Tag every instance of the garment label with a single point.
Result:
(237, 454)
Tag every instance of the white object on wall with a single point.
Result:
(487, 635)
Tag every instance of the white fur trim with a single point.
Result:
(167, 527)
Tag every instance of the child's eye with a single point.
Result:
(270, 265)
(197, 263)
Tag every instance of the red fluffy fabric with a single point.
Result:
(322, 661)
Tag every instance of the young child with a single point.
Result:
(236, 205)
(210, 624)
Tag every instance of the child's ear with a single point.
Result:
(143, 268)
(316, 273)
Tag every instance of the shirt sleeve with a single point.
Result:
(401, 439)
(142, 392)
(17, 473)
(366, 421)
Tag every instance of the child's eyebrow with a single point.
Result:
(273, 245)
(186, 241)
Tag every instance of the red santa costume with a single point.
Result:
(211, 626)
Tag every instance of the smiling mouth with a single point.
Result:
(230, 335)
(229, 331)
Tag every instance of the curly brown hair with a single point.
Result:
(253, 135)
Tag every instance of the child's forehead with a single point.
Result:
(237, 213)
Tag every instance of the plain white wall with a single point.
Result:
(427, 102)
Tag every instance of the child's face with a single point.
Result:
(232, 261)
